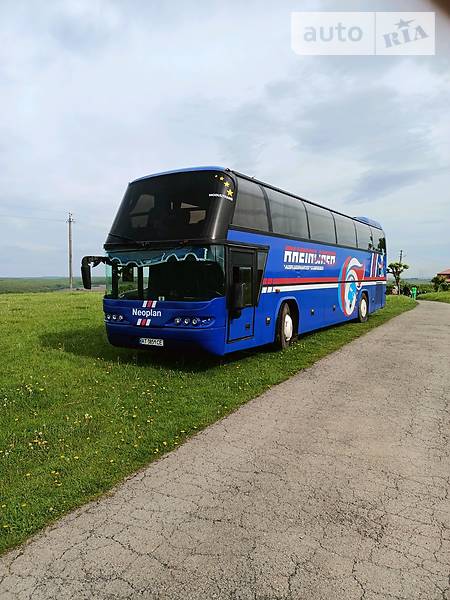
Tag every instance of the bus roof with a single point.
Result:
(185, 170)
(365, 220)
(368, 221)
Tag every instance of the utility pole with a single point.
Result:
(401, 256)
(70, 221)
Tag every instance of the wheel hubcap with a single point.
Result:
(363, 308)
(287, 327)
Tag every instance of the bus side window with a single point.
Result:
(346, 232)
(288, 214)
(364, 233)
(379, 241)
(250, 210)
(321, 224)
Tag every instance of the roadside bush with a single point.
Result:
(439, 283)
(424, 288)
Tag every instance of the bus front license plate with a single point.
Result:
(151, 342)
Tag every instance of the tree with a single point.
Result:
(439, 283)
(396, 269)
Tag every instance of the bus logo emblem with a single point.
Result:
(350, 282)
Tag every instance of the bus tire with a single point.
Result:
(363, 308)
(285, 328)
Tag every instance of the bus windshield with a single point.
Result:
(189, 273)
(176, 206)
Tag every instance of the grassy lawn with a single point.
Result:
(436, 296)
(19, 285)
(77, 415)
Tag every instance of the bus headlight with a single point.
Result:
(191, 321)
(114, 317)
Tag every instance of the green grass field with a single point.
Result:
(20, 285)
(436, 296)
(77, 415)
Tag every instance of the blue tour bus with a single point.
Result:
(208, 257)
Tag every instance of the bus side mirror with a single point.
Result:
(237, 297)
(86, 263)
(86, 274)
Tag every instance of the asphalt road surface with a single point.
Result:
(333, 485)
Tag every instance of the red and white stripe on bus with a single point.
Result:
(149, 304)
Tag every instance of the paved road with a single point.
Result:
(333, 485)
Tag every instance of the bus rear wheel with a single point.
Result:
(363, 309)
(285, 328)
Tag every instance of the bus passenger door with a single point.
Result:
(241, 270)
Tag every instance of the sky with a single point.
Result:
(95, 93)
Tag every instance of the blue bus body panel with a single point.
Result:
(325, 281)
(155, 319)
(243, 327)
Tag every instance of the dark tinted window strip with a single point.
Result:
(297, 239)
(272, 187)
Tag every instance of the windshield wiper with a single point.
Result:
(124, 238)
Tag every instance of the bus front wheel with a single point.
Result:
(285, 328)
(363, 309)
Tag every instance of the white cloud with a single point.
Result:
(94, 94)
